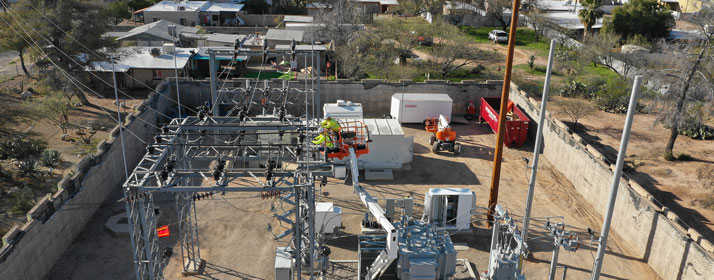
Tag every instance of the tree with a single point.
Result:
(604, 49)
(118, 10)
(450, 50)
(55, 109)
(644, 17)
(496, 10)
(689, 70)
(589, 14)
(575, 109)
(72, 32)
(11, 38)
(257, 6)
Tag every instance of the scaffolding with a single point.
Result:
(232, 150)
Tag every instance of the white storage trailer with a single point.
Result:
(417, 107)
(389, 149)
(342, 110)
(328, 217)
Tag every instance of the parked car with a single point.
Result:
(498, 36)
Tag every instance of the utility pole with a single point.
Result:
(602, 246)
(119, 120)
(172, 30)
(538, 143)
(496, 175)
(214, 94)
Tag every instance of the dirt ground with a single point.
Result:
(236, 243)
(686, 187)
(18, 119)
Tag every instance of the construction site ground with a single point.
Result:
(685, 186)
(237, 243)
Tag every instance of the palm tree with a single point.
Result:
(589, 14)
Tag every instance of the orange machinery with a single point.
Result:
(352, 134)
(442, 137)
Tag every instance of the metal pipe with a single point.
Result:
(172, 29)
(616, 178)
(538, 143)
(554, 262)
(119, 120)
(212, 65)
(498, 154)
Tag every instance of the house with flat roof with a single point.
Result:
(192, 13)
(283, 36)
(139, 67)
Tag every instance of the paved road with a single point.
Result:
(5, 67)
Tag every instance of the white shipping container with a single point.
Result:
(389, 149)
(417, 107)
(342, 110)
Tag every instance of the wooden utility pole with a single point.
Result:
(496, 175)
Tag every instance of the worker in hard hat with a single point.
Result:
(330, 125)
(324, 138)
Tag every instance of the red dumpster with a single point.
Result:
(516, 121)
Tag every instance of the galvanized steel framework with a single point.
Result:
(208, 154)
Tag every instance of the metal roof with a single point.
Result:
(194, 6)
(141, 58)
(171, 6)
(317, 5)
(302, 47)
(304, 19)
(158, 29)
(285, 35)
(389, 2)
(422, 96)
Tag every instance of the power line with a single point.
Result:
(98, 54)
(33, 43)
(73, 60)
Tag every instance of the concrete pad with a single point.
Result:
(118, 225)
(378, 174)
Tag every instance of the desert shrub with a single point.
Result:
(613, 96)
(50, 158)
(573, 88)
(592, 86)
(697, 130)
(22, 201)
(27, 167)
(21, 148)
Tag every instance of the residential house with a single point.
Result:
(191, 13)
(283, 37)
(253, 42)
(154, 34)
(297, 19)
(139, 67)
(226, 63)
(318, 8)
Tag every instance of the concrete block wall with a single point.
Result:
(651, 232)
(30, 251)
(375, 95)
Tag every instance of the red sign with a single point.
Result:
(163, 231)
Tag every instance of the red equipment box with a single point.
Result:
(516, 128)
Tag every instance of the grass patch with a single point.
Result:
(590, 71)
(537, 70)
(525, 37)
(479, 35)
(267, 75)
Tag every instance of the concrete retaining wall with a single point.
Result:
(29, 251)
(376, 93)
(651, 232)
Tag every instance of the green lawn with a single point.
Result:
(266, 75)
(537, 69)
(525, 37)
